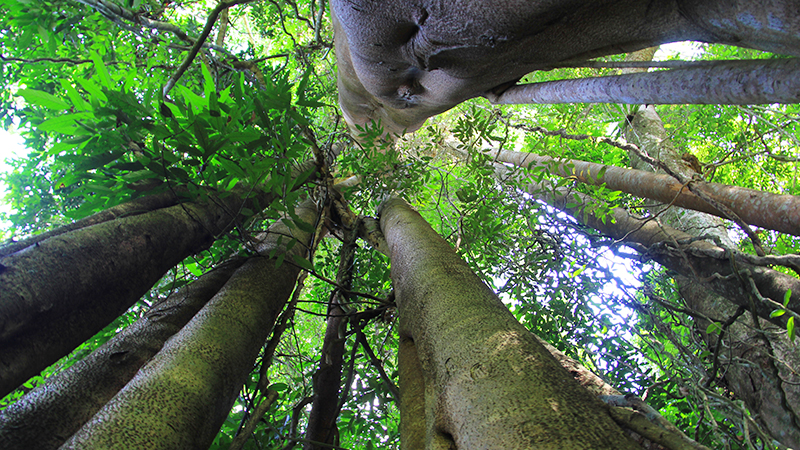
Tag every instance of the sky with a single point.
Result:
(10, 145)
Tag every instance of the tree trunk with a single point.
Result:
(60, 291)
(406, 62)
(182, 396)
(140, 205)
(412, 396)
(45, 417)
(328, 378)
(758, 366)
(488, 382)
(764, 209)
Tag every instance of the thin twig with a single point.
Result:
(198, 43)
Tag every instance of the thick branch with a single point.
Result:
(729, 83)
(719, 269)
(764, 209)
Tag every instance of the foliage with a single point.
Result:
(87, 93)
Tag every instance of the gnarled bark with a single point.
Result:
(758, 366)
(407, 61)
(488, 382)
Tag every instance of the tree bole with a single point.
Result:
(492, 385)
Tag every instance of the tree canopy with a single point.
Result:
(224, 117)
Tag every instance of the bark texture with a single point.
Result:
(140, 205)
(764, 209)
(60, 291)
(412, 396)
(728, 83)
(488, 382)
(182, 396)
(757, 362)
(328, 378)
(47, 416)
(407, 61)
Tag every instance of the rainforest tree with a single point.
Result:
(204, 251)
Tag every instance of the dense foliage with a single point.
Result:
(84, 83)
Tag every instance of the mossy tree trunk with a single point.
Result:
(488, 382)
(62, 290)
(45, 417)
(180, 398)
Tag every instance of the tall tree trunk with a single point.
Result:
(328, 378)
(45, 417)
(757, 363)
(58, 292)
(182, 396)
(488, 382)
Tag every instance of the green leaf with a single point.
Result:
(93, 89)
(102, 71)
(44, 99)
(310, 103)
(786, 297)
(208, 82)
(601, 173)
(302, 262)
(232, 168)
(279, 260)
(278, 387)
(790, 328)
(777, 313)
(73, 94)
(244, 136)
(65, 124)
(714, 328)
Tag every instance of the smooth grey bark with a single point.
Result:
(180, 398)
(47, 416)
(408, 61)
(488, 382)
(728, 83)
(758, 364)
